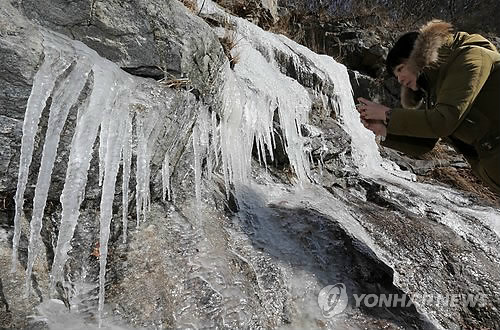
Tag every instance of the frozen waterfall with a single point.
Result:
(113, 106)
(114, 109)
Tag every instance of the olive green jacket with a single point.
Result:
(461, 99)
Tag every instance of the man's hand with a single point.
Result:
(369, 110)
(376, 126)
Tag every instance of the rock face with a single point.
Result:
(263, 13)
(231, 236)
(140, 35)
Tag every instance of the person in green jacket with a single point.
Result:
(450, 89)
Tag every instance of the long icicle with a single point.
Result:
(127, 163)
(111, 165)
(215, 139)
(140, 165)
(103, 136)
(165, 177)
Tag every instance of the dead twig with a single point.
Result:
(175, 83)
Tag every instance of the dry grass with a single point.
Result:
(439, 153)
(463, 179)
(190, 4)
(460, 178)
(175, 83)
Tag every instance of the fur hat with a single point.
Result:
(423, 53)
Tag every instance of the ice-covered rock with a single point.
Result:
(140, 203)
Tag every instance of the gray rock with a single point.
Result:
(142, 34)
(386, 92)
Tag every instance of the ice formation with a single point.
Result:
(252, 95)
(250, 102)
(63, 75)
(165, 178)
(225, 140)
(127, 161)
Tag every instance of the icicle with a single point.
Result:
(215, 138)
(104, 108)
(204, 123)
(197, 163)
(210, 156)
(101, 98)
(43, 83)
(262, 152)
(293, 140)
(259, 156)
(269, 136)
(309, 153)
(140, 168)
(64, 98)
(273, 138)
(209, 164)
(142, 171)
(204, 126)
(147, 199)
(225, 166)
(165, 175)
(324, 149)
(127, 163)
(103, 136)
(111, 165)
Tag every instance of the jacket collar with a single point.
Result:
(425, 54)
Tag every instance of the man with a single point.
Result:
(450, 89)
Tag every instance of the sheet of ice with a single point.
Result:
(56, 315)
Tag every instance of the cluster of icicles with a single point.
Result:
(108, 110)
(114, 111)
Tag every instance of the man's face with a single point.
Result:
(406, 77)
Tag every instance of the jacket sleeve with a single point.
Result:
(464, 79)
(412, 146)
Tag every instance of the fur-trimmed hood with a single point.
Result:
(425, 53)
